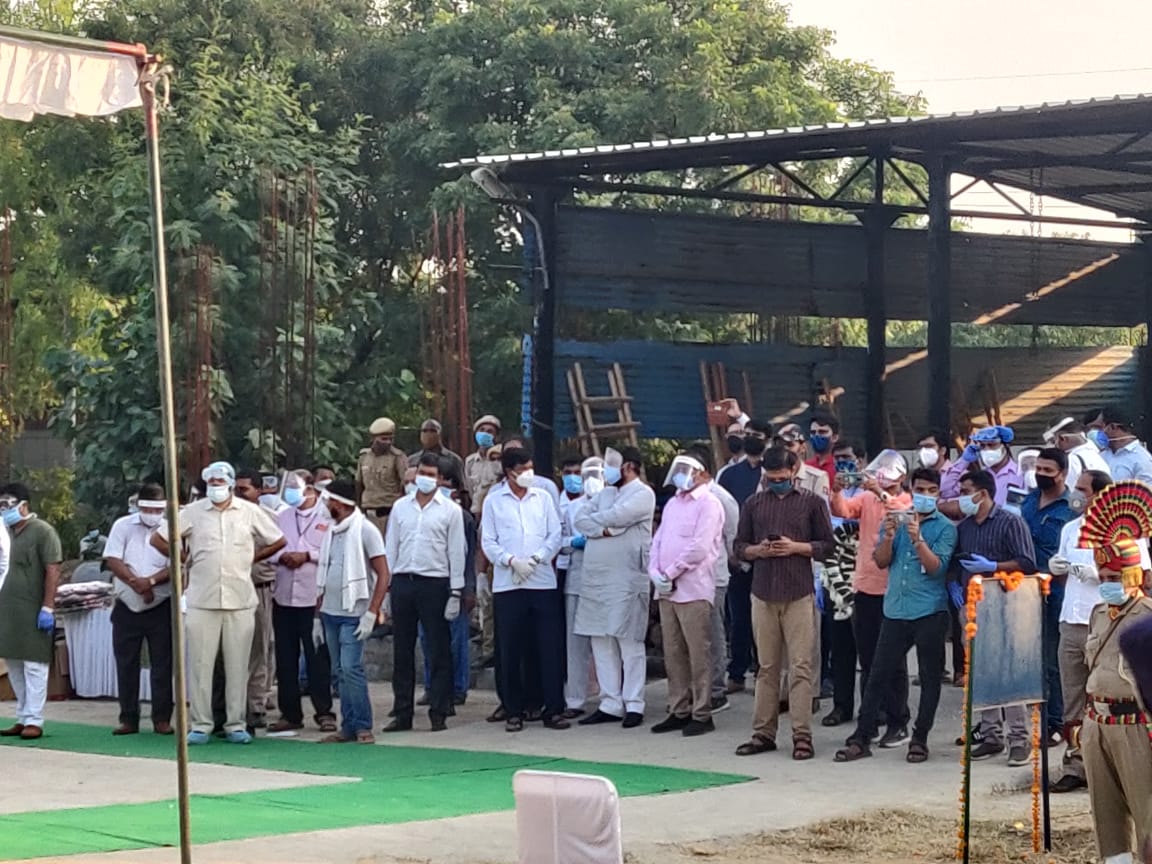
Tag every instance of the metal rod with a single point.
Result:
(967, 815)
(588, 185)
(737, 177)
(138, 51)
(907, 181)
(851, 179)
(171, 467)
(975, 181)
(797, 180)
(1010, 200)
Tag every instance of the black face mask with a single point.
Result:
(1045, 483)
(735, 443)
(754, 446)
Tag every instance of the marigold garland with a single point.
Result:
(1036, 778)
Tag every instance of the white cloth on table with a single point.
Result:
(91, 660)
(567, 819)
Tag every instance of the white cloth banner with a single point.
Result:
(91, 661)
(37, 78)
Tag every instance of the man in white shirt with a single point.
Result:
(1081, 595)
(577, 649)
(143, 612)
(225, 537)
(1126, 457)
(615, 594)
(1071, 436)
(425, 547)
(520, 535)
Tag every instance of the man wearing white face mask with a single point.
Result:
(1071, 436)
(226, 536)
(987, 450)
(932, 451)
(143, 612)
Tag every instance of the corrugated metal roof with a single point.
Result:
(1009, 143)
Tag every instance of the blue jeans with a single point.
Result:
(1054, 708)
(348, 672)
(461, 674)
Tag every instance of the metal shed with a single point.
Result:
(1097, 153)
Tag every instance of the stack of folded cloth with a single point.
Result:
(81, 596)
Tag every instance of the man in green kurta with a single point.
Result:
(27, 600)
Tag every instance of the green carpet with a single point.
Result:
(397, 784)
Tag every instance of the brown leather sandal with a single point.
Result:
(802, 749)
(759, 744)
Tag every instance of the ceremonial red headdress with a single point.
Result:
(1116, 517)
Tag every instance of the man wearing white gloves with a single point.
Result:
(225, 537)
(352, 578)
(425, 546)
(1081, 594)
(520, 535)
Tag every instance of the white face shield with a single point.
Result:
(1051, 435)
(592, 475)
(1027, 461)
(684, 473)
(219, 471)
(888, 467)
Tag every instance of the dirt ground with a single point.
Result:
(885, 837)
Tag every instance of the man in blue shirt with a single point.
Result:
(916, 548)
(1047, 510)
(742, 481)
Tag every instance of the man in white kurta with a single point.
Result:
(614, 593)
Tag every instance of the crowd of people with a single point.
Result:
(800, 561)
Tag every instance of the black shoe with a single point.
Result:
(894, 738)
(632, 719)
(497, 716)
(699, 727)
(720, 703)
(399, 725)
(597, 717)
(557, 721)
(439, 724)
(671, 723)
(986, 750)
(1068, 783)
(834, 718)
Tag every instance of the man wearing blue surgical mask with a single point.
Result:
(1126, 457)
(823, 433)
(480, 473)
(915, 549)
(991, 540)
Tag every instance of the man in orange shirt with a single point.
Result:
(884, 494)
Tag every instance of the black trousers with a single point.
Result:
(843, 661)
(867, 618)
(890, 662)
(129, 632)
(526, 627)
(292, 626)
(416, 601)
(959, 658)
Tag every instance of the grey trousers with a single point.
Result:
(1074, 687)
(719, 643)
(992, 725)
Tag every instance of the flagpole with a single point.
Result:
(151, 75)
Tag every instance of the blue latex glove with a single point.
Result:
(956, 594)
(579, 541)
(971, 453)
(45, 620)
(978, 564)
(820, 600)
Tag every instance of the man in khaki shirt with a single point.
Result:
(380, 473)
(480, 473)
(224, 537)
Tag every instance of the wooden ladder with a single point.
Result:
(587, 408)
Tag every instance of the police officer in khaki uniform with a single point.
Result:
(380, 473)
(1115, 736)
(480, 472)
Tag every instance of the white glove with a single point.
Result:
(521, 569)
(1058, 565)
(317, 632)
(183, 604)
(452, 609)
(1084, 572)
(367, 625)
(663, 584)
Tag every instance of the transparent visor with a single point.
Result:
(1027, 460)
(683, 472)
(888, 467)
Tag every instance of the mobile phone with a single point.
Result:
(904, 517)
(1014, 499)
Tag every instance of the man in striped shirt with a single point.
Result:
(782, 531)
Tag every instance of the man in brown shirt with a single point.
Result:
(782, 531)
(380, 473)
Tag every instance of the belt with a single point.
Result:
(1115, 707)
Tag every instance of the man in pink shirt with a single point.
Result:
(304, 523)
(681, 566)
(883, 493)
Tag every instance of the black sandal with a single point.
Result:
(802, 749)
(514, 724)
(497, 716)
(917, 752)
(852, 753)
(759, 744)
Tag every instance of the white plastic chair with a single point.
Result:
(567, 819)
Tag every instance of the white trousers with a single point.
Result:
(228, 631)
(30, 684)
(579, 650)
(621, 669)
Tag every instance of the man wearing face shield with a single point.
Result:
(684, 549)
(295, 622)
(1071, 436)
(614, 596)
(27, 607)
(380, 473)
(987, 450)
(225, 536)
(143, 611)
